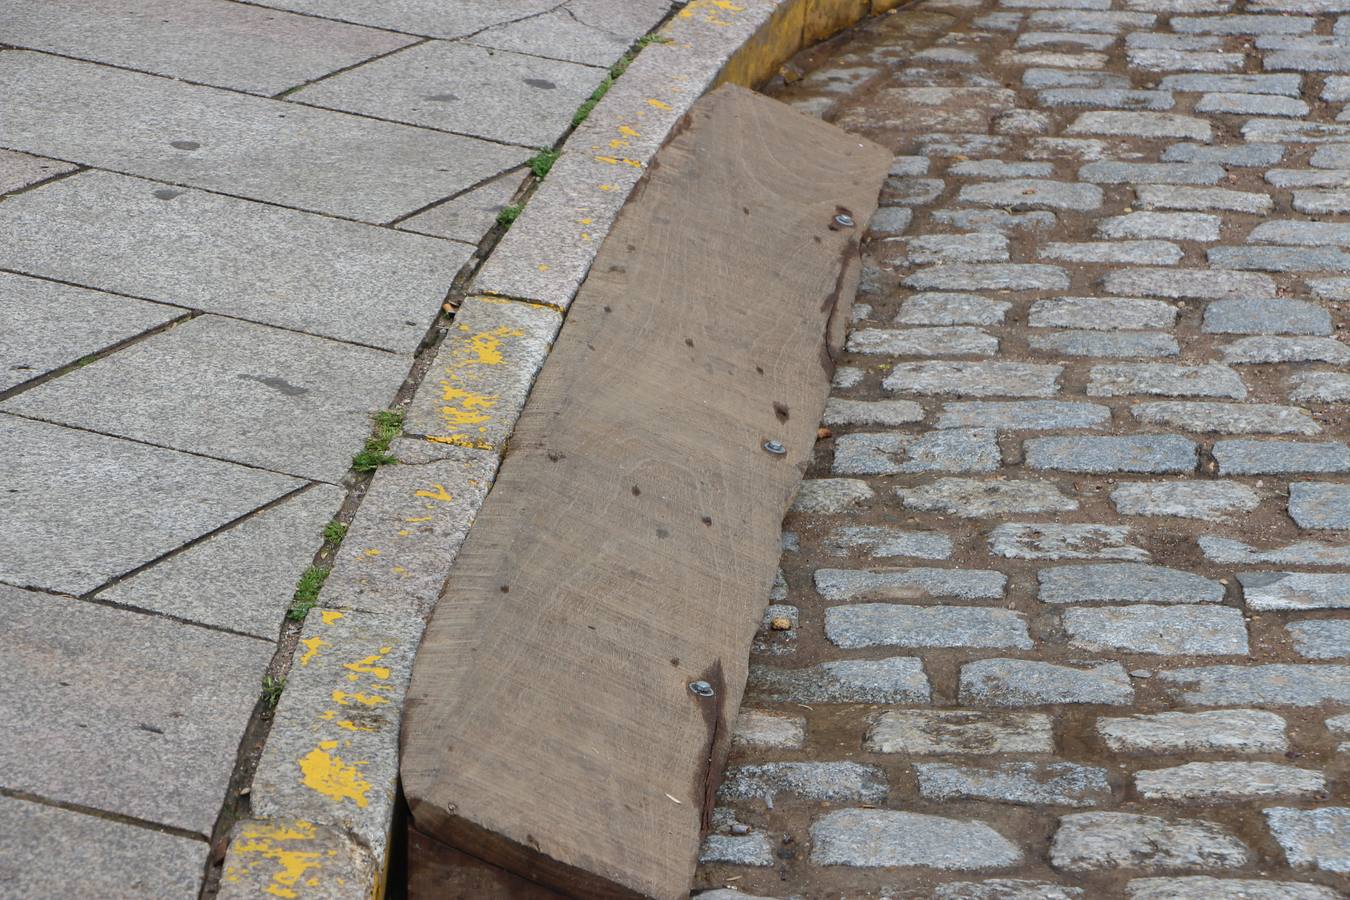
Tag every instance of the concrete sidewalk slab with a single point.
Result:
(49, 325)
(471, 90)
(595, 32)
(470, 215)
(229, 45)
(242, 578)
(122, 712)
(231, 390)
(310, 273)
(123, 504)
(269, 150)
(87, 856)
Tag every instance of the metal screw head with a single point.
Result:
(844, 220)
(702, 688)
(775, 448)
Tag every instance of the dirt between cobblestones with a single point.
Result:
(835, 732)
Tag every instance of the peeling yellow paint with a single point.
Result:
(275, 845)
(461, 441)
(345, 698)
(630, 132)
(438, 493)
(368, 665)
(330, 616)
(657, 103)
(326, 773)
(371, 551)
(312, 646)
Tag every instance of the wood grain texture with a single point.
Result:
(629, 544)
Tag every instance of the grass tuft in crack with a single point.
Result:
(542, 161)
(272, 688)
(334, 532)
(376, 453)
(307, 593)
(509, 214)
(615, 71)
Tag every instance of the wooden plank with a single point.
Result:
(629, 544)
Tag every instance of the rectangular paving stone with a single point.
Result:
(1027, 682)
(1336, 88)
(1141, 125)
(1299, 553)
(1113, 172)
(311, 398)
(414, 517)
(1021, 783)
(937, 341)
(1330, 156)
(977, 247)
(881, 542)
(1105, 344)
(839, 411)
(1106, 98)
(1228, 731)
(885, 838)
(493, 94)
(1239, 24)
(249, 260)
(1165, 379)
(1147, 253)
(19, 170)
(131, 861)
(1280, 259)
(899, 679)
(580, 31)
(1301, 178)
(1257, 350)
(762, 729)
(998, 168)
(1227, 418)
(150, 501)
(1295, 590)
(1319, 504)
(1285, 85)
(1320, 387)
(974, 379)
(1023, 415)
(1202, 199)
(1273, 684)
(1228, 781)
(482, 373)
(857, 625)
(241, 578)
(1096, 22)
(245, 146)
(1283, 130)
(916, 732)
(428, 17)
(1233, 155)
(1103, 455)
(159, 744)
(1095, 841)
(1240, 457)
(1031, 193)
(1018, 540)
(1155, 40)
(1038, 77)
(914, 583)
(1315, 234)
(1209, 500)
(1172, 226)
(1188, 283)
(1163, 630)
(1101, 313)
(1330, 288)
(1185, 61)
(1315, 838)
(1085, 60)
(989, 277)
(228, 45)
(945, 450)
(1125, 582)
(830, 495)
(1251, 105)
(1322, 202)
(971, 498)
(1328, 59)
(51, 325)
(1321, 638)
(828, 782)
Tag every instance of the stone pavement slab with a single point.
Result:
(126, 713)
(232, 390)
(49, 325)
(430, 17)
(493, 94)
(470, 215)
(19, 170)
(124, 504)
(594, 32)
(49, 853)
(229, 45)
(300, 271)
(267, 150)
(241, 578)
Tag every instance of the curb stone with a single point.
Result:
(324, 791)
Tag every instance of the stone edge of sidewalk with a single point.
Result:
(322, 819)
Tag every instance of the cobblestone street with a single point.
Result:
(1062, 606)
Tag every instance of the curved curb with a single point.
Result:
(324, 793)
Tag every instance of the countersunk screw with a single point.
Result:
(702, 688)
(844, 220)
(775, 448)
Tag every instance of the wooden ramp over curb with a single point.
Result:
(629, 545)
